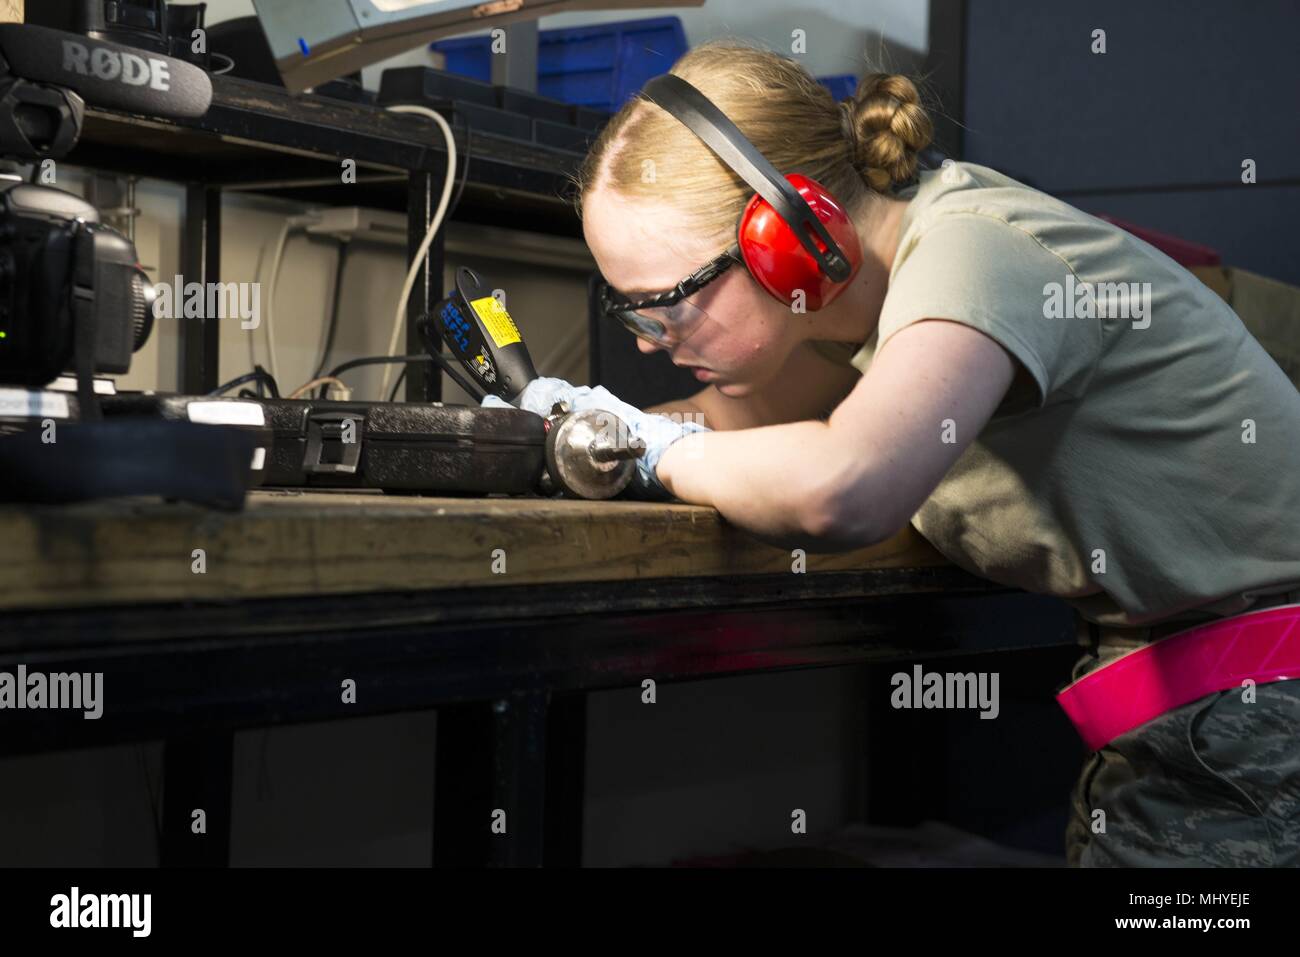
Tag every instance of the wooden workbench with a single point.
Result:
(398, 597)
(326, 543)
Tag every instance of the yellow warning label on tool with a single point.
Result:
(496, 321)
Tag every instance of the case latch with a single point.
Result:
(334, 443)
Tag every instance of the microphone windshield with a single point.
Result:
(106, 74)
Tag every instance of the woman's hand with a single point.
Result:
(656, 431)
(538, 396)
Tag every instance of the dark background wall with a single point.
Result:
(1154, 131)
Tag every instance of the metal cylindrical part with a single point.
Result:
(583, 457)
(603, 451)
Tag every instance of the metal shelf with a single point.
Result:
(259, 138)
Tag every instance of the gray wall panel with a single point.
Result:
(1185, 91)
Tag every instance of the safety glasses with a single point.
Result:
(667, 318)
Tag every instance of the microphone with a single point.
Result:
(105, 74)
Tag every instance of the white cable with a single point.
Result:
(273, 277)
(282, 241)
(434, 225)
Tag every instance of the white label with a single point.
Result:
(68, 383)
(42, 405)
(259, 459)
(226, 413)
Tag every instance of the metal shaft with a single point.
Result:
(606, 452)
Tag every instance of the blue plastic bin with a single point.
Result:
(603, 65)
(599, 66)
(468, 56)
(841, 85)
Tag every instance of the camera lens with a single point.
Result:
(143, 295)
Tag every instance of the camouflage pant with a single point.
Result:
(1214, 783)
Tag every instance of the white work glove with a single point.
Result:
(657, 431)
(538, 396)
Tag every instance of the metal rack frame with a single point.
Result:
(259, 138)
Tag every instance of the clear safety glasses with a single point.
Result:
(667, 318)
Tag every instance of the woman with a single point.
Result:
(1053, 403)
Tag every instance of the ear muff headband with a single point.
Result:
(719, 134)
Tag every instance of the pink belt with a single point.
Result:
(1262, 645)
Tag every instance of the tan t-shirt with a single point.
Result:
(1151, 469)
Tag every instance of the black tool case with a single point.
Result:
(404, 447)
(244, 414)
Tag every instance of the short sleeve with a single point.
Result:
(986, 273)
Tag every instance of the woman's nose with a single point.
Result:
(646, 346)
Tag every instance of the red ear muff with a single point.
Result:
(807, 268)
(775, 257)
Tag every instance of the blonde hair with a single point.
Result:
(867, 144)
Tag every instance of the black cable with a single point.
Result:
(374, 361)
(334, 310)
(397, 385)
(338, 370)
(473, 390)
(446, 364)
(464, 175)
(258, 375)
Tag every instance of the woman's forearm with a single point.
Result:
(771, 481)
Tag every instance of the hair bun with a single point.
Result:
(889, 128)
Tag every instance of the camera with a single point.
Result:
(58, 264)
(72, 294)
(63, 276)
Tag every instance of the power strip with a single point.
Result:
(350, 223)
